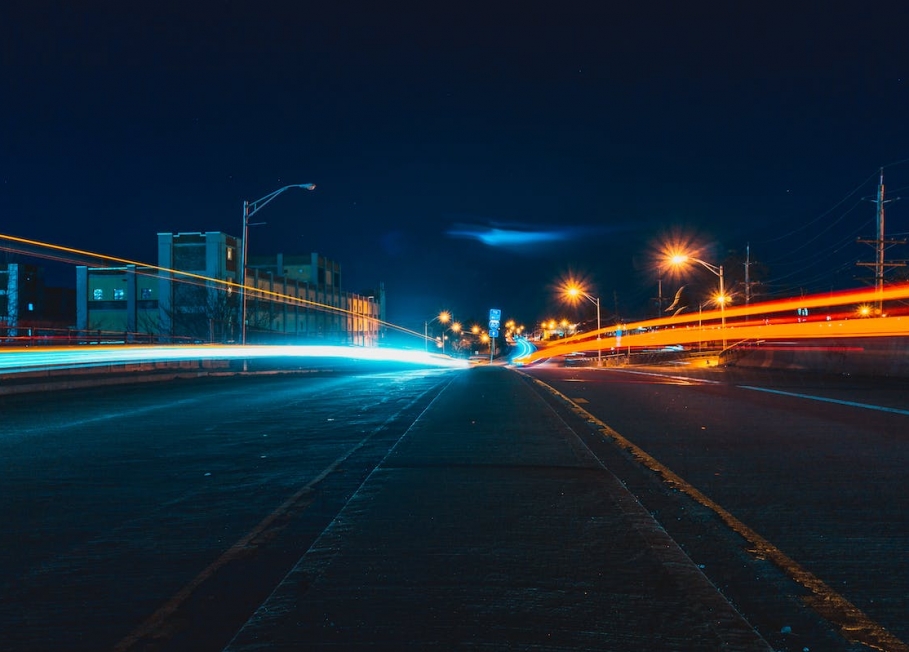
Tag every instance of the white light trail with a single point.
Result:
(35, 359)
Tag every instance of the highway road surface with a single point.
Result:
(162, 517)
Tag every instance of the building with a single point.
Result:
(30, 311)
(193, 296)
(202, 303)
(301, 298)
(117, 303)
(21, 296)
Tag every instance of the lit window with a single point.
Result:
(119, 294)
(97, 294)
(31, 307)
(230, 253)
(146, 293)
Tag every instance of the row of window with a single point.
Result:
(120, 294)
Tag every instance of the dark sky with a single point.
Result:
(592, 128)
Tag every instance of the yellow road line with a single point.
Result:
(853, 623)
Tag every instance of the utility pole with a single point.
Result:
(880, 244)
(659, 298)
(747, 273)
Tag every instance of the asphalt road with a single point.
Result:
(130, 512)
(811, 470)
(160, 517)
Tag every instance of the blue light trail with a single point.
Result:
(37, 359)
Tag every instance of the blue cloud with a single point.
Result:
(519, 236)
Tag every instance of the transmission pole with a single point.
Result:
(659, 298)
(747, 273)
(880, 245)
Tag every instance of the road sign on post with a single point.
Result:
(495, 319)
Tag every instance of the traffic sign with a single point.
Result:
(493, 332)
(495, 317)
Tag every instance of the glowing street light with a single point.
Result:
(250, 208)
(681, 259)
(455, 328)
(574, 292)
(443, 318)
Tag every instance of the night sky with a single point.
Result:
(466, 155)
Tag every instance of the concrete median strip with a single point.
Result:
(491, 525)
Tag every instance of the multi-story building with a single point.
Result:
(117, 303)
(194, 295)
(30, 311)
(300, 297)
(201, 303)
(21, 296)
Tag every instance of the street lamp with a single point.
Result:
(443, 318)
(250, 208)
(681, 259)
(574, 292)
(456, 330)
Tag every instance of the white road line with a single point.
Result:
(867, 406)
(689, 379)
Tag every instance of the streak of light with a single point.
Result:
(769, 321)
(524, 348)
(23, 360)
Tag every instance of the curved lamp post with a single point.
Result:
(443, 318)
(455, 328)
(575, 292)
(250, 208)
(681, 259)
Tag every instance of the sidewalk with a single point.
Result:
(490, 526)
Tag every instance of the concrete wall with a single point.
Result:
(872, 356)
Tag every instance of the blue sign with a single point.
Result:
(495, 317)
(493, 333)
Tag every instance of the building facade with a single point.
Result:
(21, 296)
(201, 304)
(117, 303)
(194, 296)
(299, 297)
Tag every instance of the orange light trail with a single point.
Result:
(767, 321)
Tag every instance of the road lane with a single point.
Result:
(161, 517)
(823, 482)
(116, 501)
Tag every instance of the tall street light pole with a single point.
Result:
(718, 270)
(578, 292)
(443, 317)
(250, 208)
